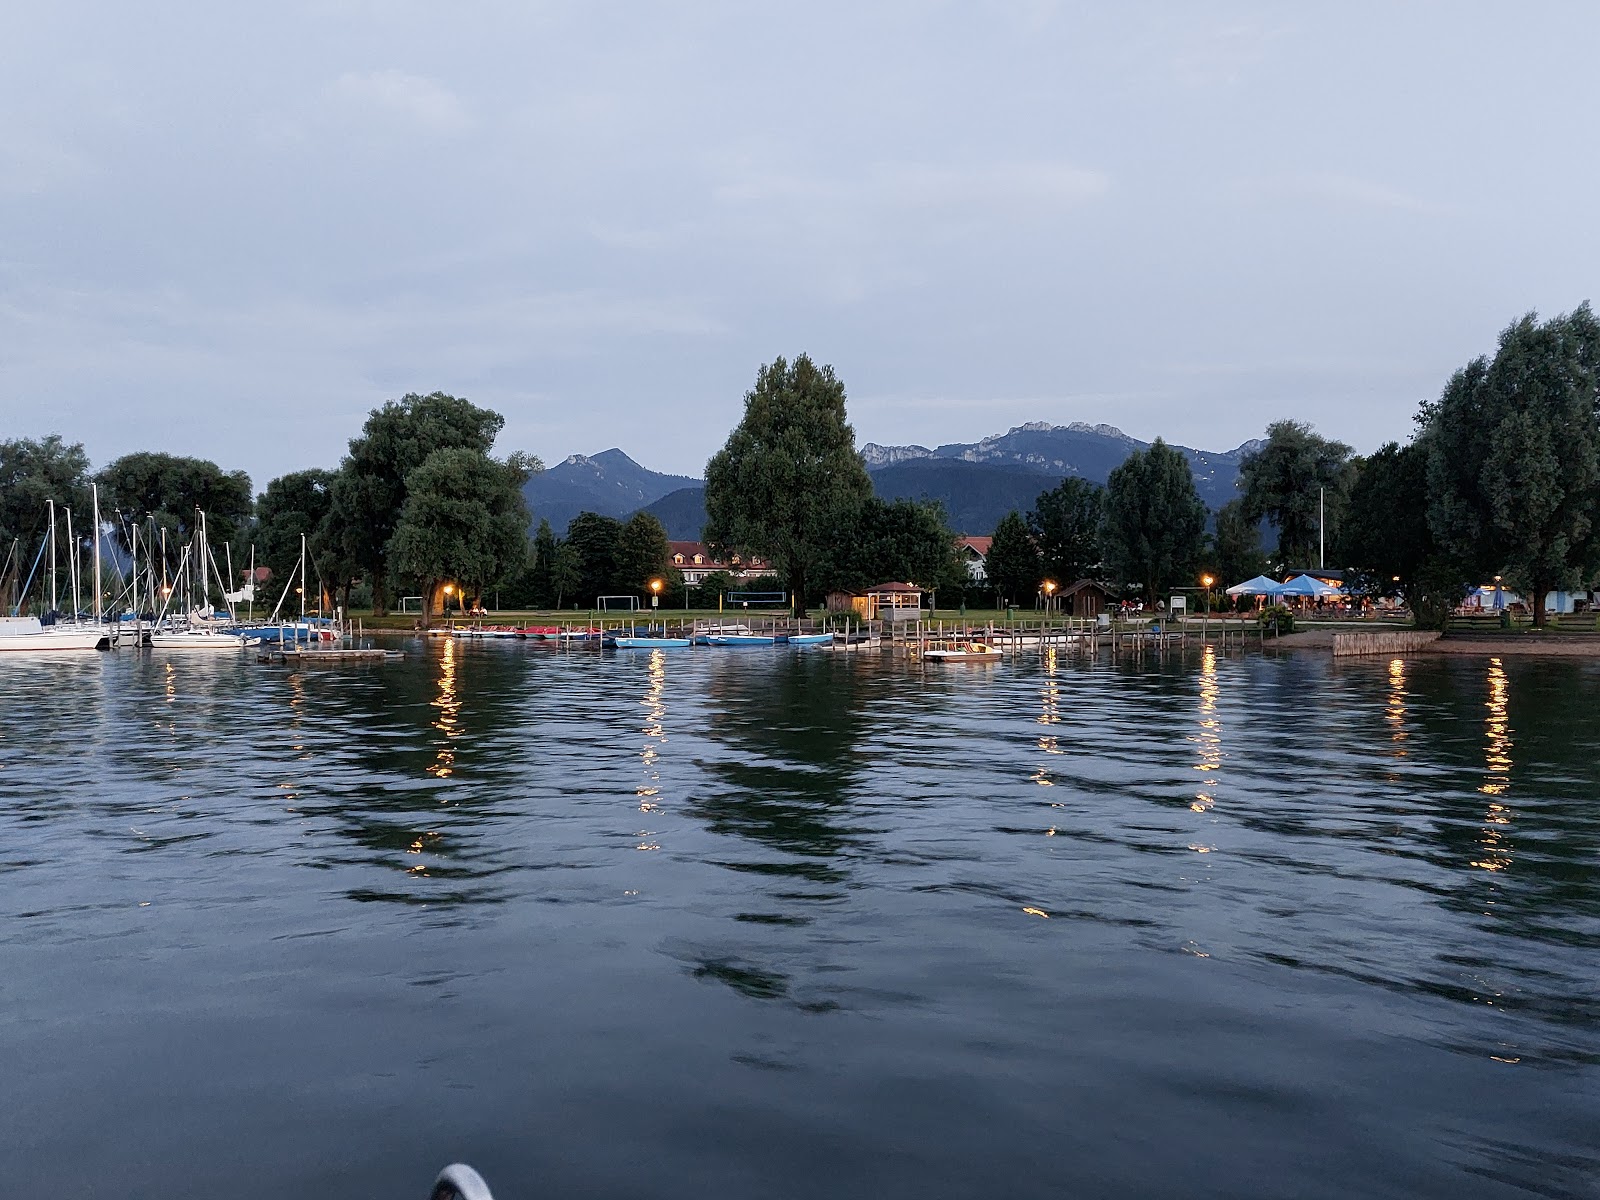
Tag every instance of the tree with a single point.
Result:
(1154, 520)
(292, 505)
(542, 589)
(169, 488)
(1385, 540)
(394, 442)
(1014, 567)
(642, 552)
(594, 540)
(1236, 545)
(1065, 523)
(713, 587)
(566, 571)
(789, 479)
(1290, 481)
(31, 474)
(905, 540)
(1513, 448)
(464, 520)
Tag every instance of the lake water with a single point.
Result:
(797, 923)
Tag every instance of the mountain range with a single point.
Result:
(978, 482)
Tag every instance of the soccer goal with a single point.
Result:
(617, 603)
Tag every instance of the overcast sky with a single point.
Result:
(231, 230)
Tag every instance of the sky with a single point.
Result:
(231, 231)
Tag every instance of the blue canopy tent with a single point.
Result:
(1305, 585)
(1259, 586)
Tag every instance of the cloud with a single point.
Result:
(1344, 191)
(421, 103)
(1009, 185)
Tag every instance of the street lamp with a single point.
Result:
(448, 588)
(1206, 581)
(655, 594)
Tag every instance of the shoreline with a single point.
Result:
(1575, 645)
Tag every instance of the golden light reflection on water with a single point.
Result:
(1208, 739)
(1494, 843)
(654, 702)
(1395, 712)
(1049, 716)
(448, 722)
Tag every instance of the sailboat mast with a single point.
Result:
(252, 592)
(77, 605)
(303, 580)
(94, 491)
(52, 556)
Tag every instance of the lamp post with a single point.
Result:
(448, 588)
(1049, 594)
(1206, 581)
(655, 595)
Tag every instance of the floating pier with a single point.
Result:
(336, 656)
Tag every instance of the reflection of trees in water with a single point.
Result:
(791, 730)
(420, 783)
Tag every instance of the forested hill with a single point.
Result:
(978, 482)
(609, 483)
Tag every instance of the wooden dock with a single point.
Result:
(337, 656)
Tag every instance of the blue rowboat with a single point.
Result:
(648, 643)
(740, 639)
(809, 639)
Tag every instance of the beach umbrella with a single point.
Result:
(1259, 586)
(1305, 585)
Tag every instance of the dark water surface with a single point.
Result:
(744, 923)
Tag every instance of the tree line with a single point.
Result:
(1502, 479)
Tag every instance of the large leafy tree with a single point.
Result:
(170, 488)
(789, 480)
(1291, 480)
(464, 520)
(1385, 541)
(1154, 520)
(1014, 566)
(1236, 545)
(642, 552)
(1513, 447)
(901, 540)
(393, 443)
(32, 473)
(1065, 523)
(542, 590)
(293, 505)
(594, 541)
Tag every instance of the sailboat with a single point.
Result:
(19, 633)
(203, 628)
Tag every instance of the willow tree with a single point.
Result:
(1293, 479)
(789, 479)
(1154, 520)
(393, 443)
(1513, 446)
(464, 521)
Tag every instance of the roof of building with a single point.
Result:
(980, 544)
(893, 589)
(707, 559)
(1081, 585)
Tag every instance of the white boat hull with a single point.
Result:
(26, 634)
(201, 641)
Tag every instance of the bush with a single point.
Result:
(1277, 618)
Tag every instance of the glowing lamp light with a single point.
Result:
(1049, 587)
(655, 585)
(1207, 580)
